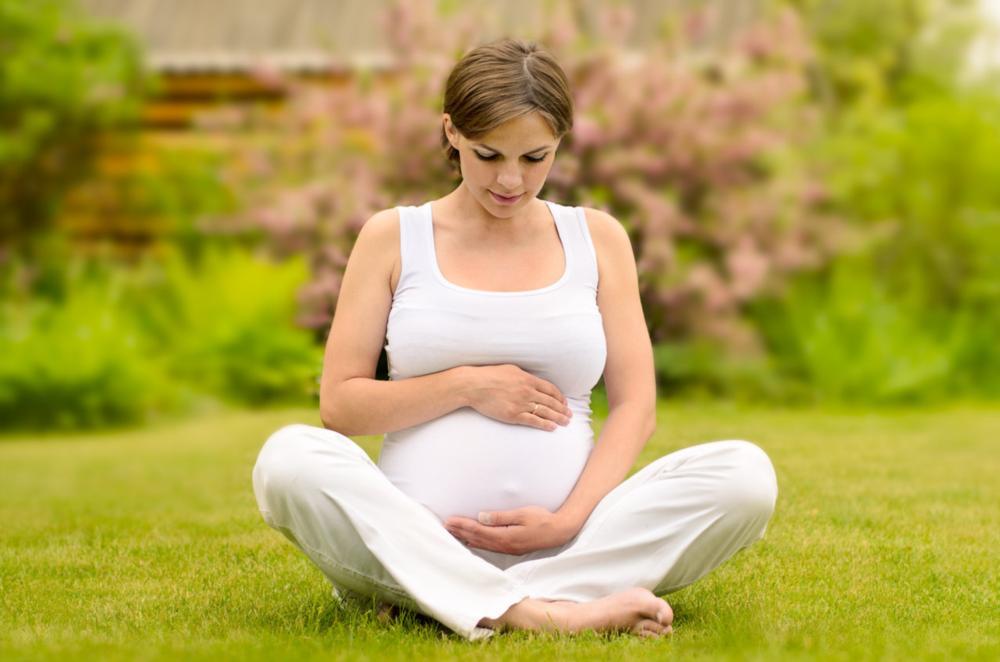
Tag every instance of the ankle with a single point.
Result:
(528, 614)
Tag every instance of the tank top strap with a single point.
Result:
(577, 243)
(414, 235)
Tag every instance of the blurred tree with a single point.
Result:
(63, 81)
(909, 150)
(876, 53)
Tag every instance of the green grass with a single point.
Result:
(148, 544)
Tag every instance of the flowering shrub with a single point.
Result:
(696, 150)
(699, 155)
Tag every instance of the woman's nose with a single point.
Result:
(509, 180)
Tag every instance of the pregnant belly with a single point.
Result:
(463, 463)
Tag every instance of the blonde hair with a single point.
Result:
(501, 80)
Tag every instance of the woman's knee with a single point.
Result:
(749, 489)
(277, 463)
(289, 457)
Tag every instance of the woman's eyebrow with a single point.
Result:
(493, 149)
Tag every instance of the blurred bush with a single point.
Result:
(124, 344)
(226, 324)
(841, 337)
(916, 311)
(927, 173)
(78, 363)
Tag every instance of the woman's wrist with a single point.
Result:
(570, 522)
(462, 384)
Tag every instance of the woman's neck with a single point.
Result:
(479, 223)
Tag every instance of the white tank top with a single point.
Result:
(464, 462)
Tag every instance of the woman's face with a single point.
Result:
(511, 160)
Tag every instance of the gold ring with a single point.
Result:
(535, 408)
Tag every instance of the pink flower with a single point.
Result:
(748, 268)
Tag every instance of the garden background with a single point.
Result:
(812, 189)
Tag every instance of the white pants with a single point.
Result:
(662, 528)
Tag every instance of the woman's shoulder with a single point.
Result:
(382, 223)
(376, 248)
(606, 231)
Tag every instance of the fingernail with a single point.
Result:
(485, 518)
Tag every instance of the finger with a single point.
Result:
(544, 417)
(486, 537)
(464, 537)
(553, 411)
(556, 403)
(473, 529)
(535, 421)
(551, 390)
(500, 517)
(458, 532)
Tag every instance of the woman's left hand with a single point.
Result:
(516, 531)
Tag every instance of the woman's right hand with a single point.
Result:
(507, 393)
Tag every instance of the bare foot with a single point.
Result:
(636, 610)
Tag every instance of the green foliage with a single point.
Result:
(909, 315)
(846, 339)
(75, 364)
(122, 344)
(63, 80)
(704, 368)
(929, 170)
(173, 196)
(873, 54)
(226, 325)
(913, 315)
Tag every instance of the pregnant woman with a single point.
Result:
(491, 507)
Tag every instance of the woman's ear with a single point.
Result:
(449, 130)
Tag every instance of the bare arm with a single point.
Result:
(353, 402)
(628, 374)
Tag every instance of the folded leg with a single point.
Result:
(323, 492)
(664, 527)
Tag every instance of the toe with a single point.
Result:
(649, 628)
(665, 615)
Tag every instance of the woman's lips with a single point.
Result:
(505, 201)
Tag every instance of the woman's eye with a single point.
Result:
(492, 157)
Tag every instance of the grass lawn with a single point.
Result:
(148, 544)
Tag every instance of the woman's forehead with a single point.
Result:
(526, 133)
